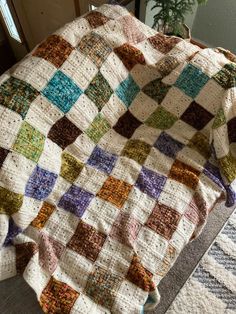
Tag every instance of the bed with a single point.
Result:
(116, 142)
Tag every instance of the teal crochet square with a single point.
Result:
(62, 91)
(191, 80)
(127, 91)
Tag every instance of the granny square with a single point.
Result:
(156, 90)
(24, 252)
(58, 297)
(54, 49)
(196, 116)
(129, 55)
(226, 77)
(102, 160)
(168, 145)
(161, 119)
(99, 91)
(115, 191)
(98, 128)
(13, 231)
(127, 124)
(125, 229)
(139, 275)
(87, 241)
(17, 95)
(136, 150)
(64, 132)
(70, 167)
(127, 90)
(213, 172)
(43, 215)
(96, 19)
(163, 43)
(76, 200)
(150, 182)
(95, 47)
(102, 287)
(29, 142)
(191, 80)
(199, 142)
(184, 174)
(62, 91)
(10, 202)
(163, 220)
(40, 184)
(166, 65)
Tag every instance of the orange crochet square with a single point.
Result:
(45, 212)
(184, 174)
(58, 297)
(54, 49)
(115, 191)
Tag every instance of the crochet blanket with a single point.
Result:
(116, 141)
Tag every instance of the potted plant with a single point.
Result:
(170, 16)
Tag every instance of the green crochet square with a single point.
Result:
(226, 77)
(10, 202)
(70, 167)
(29, 142)
(98, 128)
(161, 119)
(136, 150)
(99, 91)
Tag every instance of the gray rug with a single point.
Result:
(16, 297)
(211, 289)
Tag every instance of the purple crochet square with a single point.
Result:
(150, 182)
(168, 145)
(213, 172)
(13, 231)
(75, 200)
(102, 160)
(40, 184)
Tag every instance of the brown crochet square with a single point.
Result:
(3, 154)
(43, 215)
(54, 49)
(163, 220)
(87, 241)
(58, 297)
(184, 174)
(127, 124)
(129, 55)
(96, 19)
(163, 43)
(63, 132)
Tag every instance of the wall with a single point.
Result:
(215, 24)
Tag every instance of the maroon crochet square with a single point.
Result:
(127, 124)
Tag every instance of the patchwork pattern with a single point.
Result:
(115, 191)
(99, 91)
(17, 95)
(95, 47)
(87, 241)
(54, 49)
(75, 200)
(29, 142)
(102, 160)
(115, 143)
(102, 287)
(163, 220)
(62, 91)
(40, 183)
(58, 297)
(136, 150)
(130, 55)
(191, 80)
(63, 132)
(127, 91)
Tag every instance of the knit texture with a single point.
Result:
(116, 142)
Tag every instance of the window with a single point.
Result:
(8, 19)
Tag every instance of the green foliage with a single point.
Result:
(171, 14)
